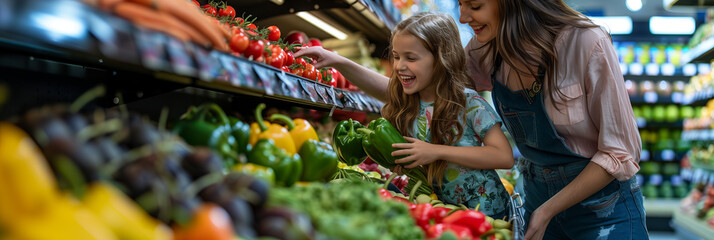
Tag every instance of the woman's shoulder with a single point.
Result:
(582, 37)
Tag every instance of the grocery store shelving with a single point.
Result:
(661, 207)
(690, 227)
(688, 3)
(702, 53)
(109, 50)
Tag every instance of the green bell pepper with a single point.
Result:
(260, 172)
(348, 143)
(241, 132)
(287, 168)
(377, 142)
(208, 126)
(319, 161)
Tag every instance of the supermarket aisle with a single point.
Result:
(663, 236)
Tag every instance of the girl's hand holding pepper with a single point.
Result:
(420, 152)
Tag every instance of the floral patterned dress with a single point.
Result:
(462, 185)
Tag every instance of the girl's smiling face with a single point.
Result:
(414, 66)
(482, 16)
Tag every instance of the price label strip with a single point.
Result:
(267, 78)
(230, 73)
(309, 89)
(249, 79)
(365, 103)
(288, 85)
(208, 65)
(116, 38)
(322, 92)
(180, 58)
(333, 95)
(152, 50)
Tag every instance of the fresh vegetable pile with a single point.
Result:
(349, 210)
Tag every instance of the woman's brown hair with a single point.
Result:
(439, 34)
(533, 24)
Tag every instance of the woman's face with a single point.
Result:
(482, 16)
(413, 64)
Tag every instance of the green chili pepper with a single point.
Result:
(287, 168)
(319, 161)
(348, 143)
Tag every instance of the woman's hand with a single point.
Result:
(420, 152)
(322, 57)
(538, 224)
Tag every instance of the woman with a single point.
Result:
(557, 85)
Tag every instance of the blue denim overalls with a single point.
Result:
(548, 165)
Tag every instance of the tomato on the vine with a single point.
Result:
(328, 76)
(285, 69)
(274, 34)
(289, 58)
(210, 10)
(275, 56)
(301, 61)
(239, 42)
(228, 11)
(252, 26)
(255, 49)
(310, 72)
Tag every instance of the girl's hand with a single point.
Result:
(322, 57)
(420, 152)
(537, 225)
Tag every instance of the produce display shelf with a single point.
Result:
(691, 228)
(661, 207)
(688, 3)
(699, 98)
(698, 135)
(654, 98)
(701, 53)
(113, 46)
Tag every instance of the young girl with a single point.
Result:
(455, 134)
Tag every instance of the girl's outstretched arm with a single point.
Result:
(496, 153)
(369, 81)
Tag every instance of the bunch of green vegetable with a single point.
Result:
(349, 210)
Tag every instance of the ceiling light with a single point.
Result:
(672, 25)
(322, 25)
(621, 25)
(634, 5)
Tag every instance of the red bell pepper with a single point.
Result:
(421, 214)
(474, 220)
(436, 230)
(439, 213)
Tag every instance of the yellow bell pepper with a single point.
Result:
(66, 219)
(125, 218)
(27, 185)
(276, 132)
(300, 129)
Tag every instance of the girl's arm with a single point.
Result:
(369, 81)
(495, 154)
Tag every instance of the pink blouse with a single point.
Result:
(596, 119)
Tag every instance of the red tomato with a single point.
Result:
(239, 42)
(297, 71)
(210, 10)
(239, 20)
(328, 76)
(252, 26)
(301, 61)
(255, 49)
(274, 34)
(289, 58)
(310, 72)
(275, 56)
(228, 11)
(285, 69)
